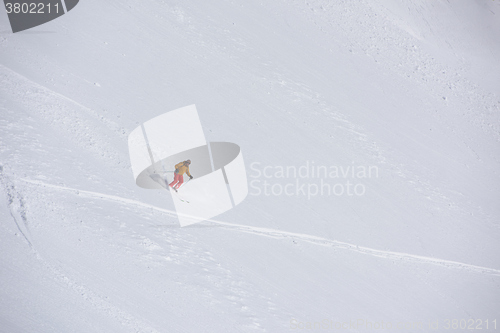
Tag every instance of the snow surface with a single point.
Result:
(408, 87)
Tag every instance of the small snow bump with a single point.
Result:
(97, 84)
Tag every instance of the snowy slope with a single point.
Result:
(410, 88)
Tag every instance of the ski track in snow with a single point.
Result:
(99, 302)
(18, 213)
(279, 234)
(16, 207)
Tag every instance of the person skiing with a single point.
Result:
(180, 169)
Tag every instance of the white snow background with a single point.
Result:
(411, 87)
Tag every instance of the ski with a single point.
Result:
(177, 195)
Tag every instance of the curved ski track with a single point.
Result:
(279, 234)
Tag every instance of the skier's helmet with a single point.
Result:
(188, 161)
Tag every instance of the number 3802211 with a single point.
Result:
(470, 324)
(31, 8)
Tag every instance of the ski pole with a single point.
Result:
(184, 183)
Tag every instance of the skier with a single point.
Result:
(180, 169)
